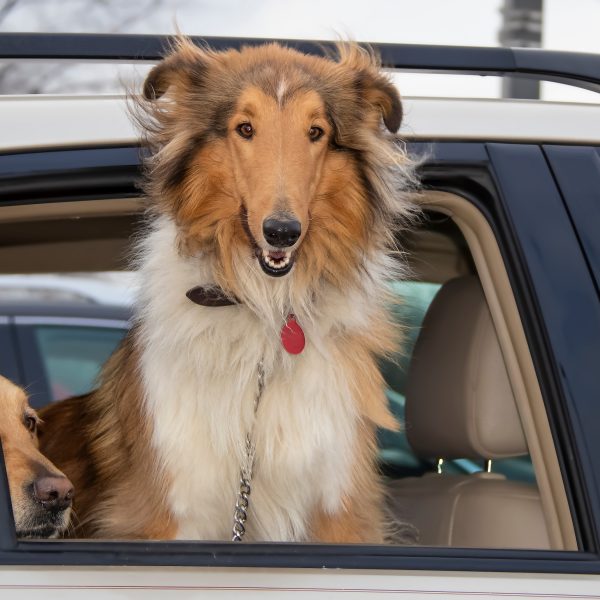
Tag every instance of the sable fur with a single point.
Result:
(156, 450)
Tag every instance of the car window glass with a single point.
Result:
(72, 356)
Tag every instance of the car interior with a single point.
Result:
(475, 464)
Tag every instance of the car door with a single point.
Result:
(509, 184)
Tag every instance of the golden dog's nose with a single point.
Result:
(55, 493)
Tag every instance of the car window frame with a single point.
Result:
(577, 172)
(9, 356)
(479, 182)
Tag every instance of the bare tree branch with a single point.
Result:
(6, 8)
(106, 16)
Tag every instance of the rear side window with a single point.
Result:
(72, 356)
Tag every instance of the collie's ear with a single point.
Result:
(383, 94)
(187, 63)
(374, 87)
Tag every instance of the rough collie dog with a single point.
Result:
(41, 495)
(276, 185)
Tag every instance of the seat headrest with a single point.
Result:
(459, 401)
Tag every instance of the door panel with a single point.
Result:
(62, 583)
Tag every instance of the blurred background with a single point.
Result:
(555, 24)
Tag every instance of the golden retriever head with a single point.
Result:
(270, 156)
(41, 495)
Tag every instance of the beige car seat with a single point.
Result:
(459, 404)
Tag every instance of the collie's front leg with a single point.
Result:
(359, 517)
(354, 523)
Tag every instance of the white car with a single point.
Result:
(512, 204)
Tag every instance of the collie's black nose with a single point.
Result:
(281, 232)
(55, 493)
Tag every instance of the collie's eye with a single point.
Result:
(31, 423)
(315, 133)
(245, 130)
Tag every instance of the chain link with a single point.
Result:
(242, 504)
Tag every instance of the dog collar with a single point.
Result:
(210, 296)
(291, 334)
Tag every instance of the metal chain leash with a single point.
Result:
(240, 513)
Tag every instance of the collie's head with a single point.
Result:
(275, 163)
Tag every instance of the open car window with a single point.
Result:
(71, 356)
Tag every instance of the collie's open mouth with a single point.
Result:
(275, 262)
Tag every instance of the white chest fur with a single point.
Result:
(199, 368)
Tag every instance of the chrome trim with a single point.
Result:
(73, 321)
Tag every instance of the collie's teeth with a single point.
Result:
(278, 263)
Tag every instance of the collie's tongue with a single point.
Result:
(277, 255)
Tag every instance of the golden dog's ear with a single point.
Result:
(186, 64)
